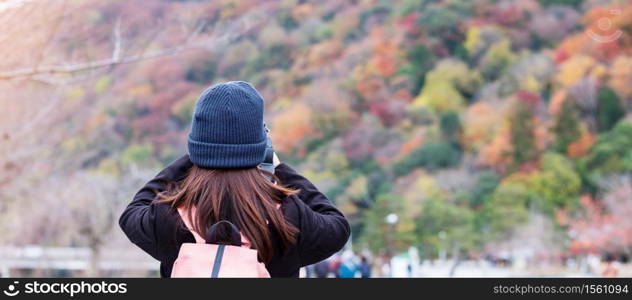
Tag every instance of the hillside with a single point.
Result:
(479, 123)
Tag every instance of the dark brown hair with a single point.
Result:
(241, 196)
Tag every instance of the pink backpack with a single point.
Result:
(222, 253)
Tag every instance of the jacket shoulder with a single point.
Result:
(169, 227)
(291, 210)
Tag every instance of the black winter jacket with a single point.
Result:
(155, 227)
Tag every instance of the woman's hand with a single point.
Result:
(275, 159)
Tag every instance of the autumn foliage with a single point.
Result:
(468, 119)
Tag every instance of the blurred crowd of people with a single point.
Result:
(347, 264)
(342, 265)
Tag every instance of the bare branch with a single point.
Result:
(74, 68)
(197, 31)
(241, 26)
(116, 54)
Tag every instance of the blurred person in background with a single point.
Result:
(321, 269)
(334, 265)
(348, 267)
(283, 215)
(365, 267)
(610, 268)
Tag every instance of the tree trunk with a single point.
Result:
(95, 259)
(456, 255)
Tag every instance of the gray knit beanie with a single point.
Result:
(227, 130)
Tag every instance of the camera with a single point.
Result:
(268, 164)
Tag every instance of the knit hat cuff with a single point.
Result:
(218, 156)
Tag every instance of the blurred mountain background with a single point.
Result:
(484, 129)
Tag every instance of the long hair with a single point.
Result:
(241, 196)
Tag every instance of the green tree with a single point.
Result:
(420, 60)
(523, 134)
(627, 161)
(506, 209)
(609, 109)
(438, 19)
(611, 148)
(382, 237)
(566, 127)
(445, 226)
(202, 71)
(432, 155)
(450, 125)
(486, 183)
(557, 185)
(497, 60)
(140, 154)
(573, 3)
(445, 86)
